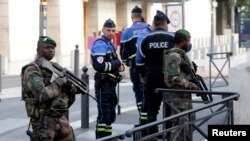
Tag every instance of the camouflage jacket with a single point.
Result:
(40, 95)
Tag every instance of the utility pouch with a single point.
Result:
(59, 105)
(31, 108)
(99, 79)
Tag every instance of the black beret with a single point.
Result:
(47, 39)
(160, 16)
(136, 9)
(109, 23)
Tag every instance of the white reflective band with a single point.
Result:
(142, 64)
(101, 124)
(131, 56)
(144, 114)
(141, 52)
(109, 66)
(109, 126)
(106, 66)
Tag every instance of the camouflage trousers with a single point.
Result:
(181, 102)
(49, 128)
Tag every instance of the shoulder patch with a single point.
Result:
(100, 59)
(35, 80)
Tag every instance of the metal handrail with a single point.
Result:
(211, 58)
(227, 100)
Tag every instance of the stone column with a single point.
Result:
(53, 26)
(4, 32)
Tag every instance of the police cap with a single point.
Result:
(46, 39)
(109, 23)
(160, 16)
(136, 9)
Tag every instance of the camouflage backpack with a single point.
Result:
(30, 102)
(169, 66)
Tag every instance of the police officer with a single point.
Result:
(128, 52)
(143, 111)
(177, 78)
(47, 99)
(107, 67)
(149, 62)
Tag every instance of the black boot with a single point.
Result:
(100, 131)
(108, 130)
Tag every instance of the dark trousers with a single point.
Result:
(152, 100)
(107, 101)
(137, 87)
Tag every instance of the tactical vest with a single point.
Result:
(34, 108)
(166, 54)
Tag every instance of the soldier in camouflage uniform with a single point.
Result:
(175, 77)
(47, 99)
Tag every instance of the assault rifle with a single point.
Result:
(63, 72)
(198, 80)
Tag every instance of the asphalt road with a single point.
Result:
(14, 121)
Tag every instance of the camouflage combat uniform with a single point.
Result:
(176, 78)
(46, 103)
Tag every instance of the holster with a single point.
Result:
(100, 79)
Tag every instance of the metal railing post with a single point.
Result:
(76, 61)
(76, 70)
(85, 101)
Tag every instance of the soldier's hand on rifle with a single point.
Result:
(71, 87)
(61, 81)
(193, 86)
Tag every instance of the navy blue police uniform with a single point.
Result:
(128, 52)
(106, 64)
(149, 60)
(143, 112)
